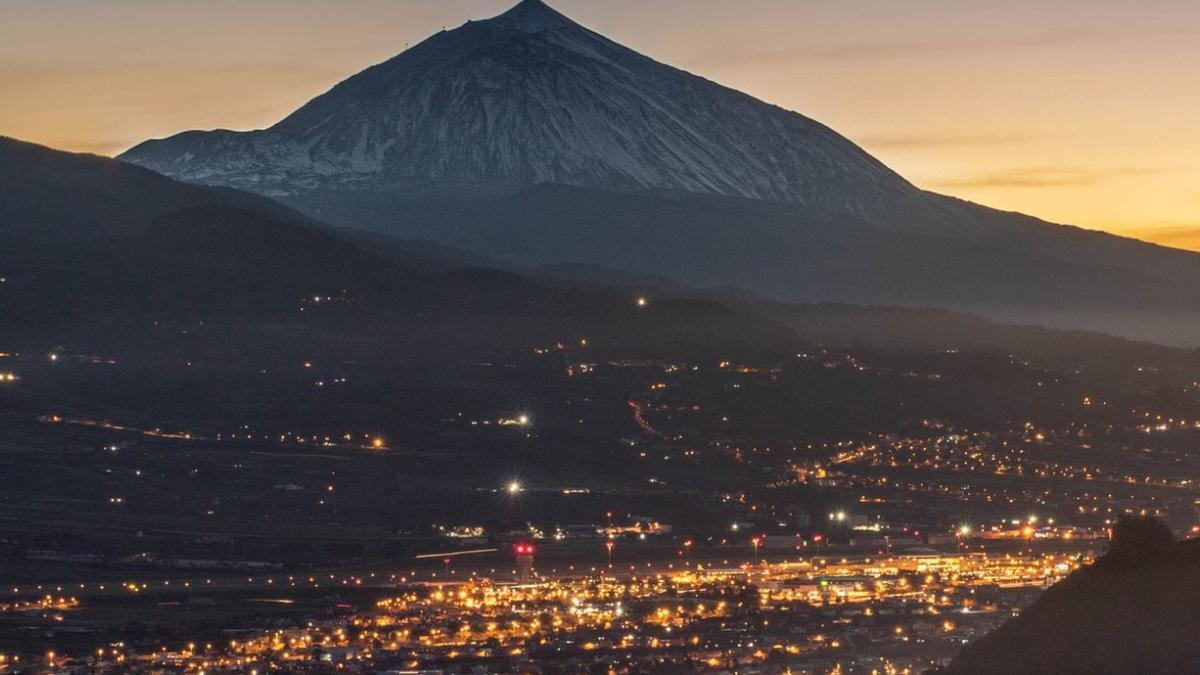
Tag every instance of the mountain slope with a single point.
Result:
(524, 136)
(91, 246)
(1133, 611)
(529, 98)
(714, 241)
(50, 195)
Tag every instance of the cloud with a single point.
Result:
(1042, 177)
(97, 146)
(61, 73)
(1174, 234)
(907, 141)
(891, 49)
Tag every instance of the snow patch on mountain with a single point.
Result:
(525, 98)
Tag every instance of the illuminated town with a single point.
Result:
(884, 554)
(881, 555)
(522, 351)
(848, 613)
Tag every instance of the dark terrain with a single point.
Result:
(1133, 611)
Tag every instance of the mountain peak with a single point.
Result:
(526, 98)
(533, 16)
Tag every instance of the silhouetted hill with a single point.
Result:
(935, 330)
(1133, 611)
(91, 242)
(48, 195)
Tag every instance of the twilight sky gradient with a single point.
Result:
(1079, 111)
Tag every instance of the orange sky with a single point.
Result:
(1078, 111)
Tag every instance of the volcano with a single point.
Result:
(528, 137)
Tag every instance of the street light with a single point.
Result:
(514, 487)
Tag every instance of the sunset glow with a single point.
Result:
(1077, 112)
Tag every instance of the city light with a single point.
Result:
(198, 479)
(522, 420)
